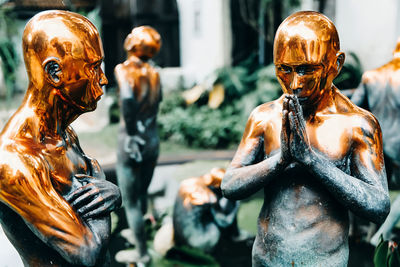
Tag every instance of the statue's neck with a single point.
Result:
(324, 103)
(132, 57)
(49, 111)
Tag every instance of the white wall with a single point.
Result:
(370, 28)
(205, 34)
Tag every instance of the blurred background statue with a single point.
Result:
(138, 141)
(55, 202)
(201, 216)
(380, 94)
(315, 154)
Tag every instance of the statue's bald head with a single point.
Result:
(306, 37)
(60, 35)
(143, 41)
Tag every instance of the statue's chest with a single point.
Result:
(64, 164)
(330, 136)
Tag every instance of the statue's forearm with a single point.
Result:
(101, 229)
(129, 111)
(239, 183)
(364, 199)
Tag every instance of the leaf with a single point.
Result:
(192, 95)
(381, 253)
(394, 258)
(216, 96)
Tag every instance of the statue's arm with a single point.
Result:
(247, 174)
(26, 188)
(128, 103)
(364, 191)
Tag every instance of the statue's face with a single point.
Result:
(302, 80)
(83, 77)
(306, 55)
(63, 49)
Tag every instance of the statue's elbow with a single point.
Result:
(85, 255)
(226, 186)
(383, 211)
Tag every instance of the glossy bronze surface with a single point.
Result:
(379, 93)
(315, 154)
(55, 201)
(138, 142)
(196, 191)
(202, 216)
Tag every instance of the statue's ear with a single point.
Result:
(53, 71)
(339, 61)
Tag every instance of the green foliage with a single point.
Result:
(8, 54)
(9, 64)
(201, 126)
(386, 256)
(246, 86)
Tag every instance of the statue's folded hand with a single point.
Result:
(132, 147)
(95, 197)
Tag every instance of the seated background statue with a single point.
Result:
(201, 214)
(379, 92)
(55, 202)
(315, 154)
(138, 141)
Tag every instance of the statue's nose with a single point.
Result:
(103, 79)
(296, 84)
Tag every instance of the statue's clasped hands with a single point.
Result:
(295, 144)
(132, 147)
(95, 197)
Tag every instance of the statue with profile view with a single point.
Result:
(55, 203)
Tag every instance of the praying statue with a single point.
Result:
(315, 154)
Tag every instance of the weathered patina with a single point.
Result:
(315, 154)
(138, 141)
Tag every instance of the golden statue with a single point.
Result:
(55, 202)
(315, 154)
(138, 141)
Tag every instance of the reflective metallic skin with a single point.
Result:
(55, 201)
(315, 154)
(196, 191)
(138, 142)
